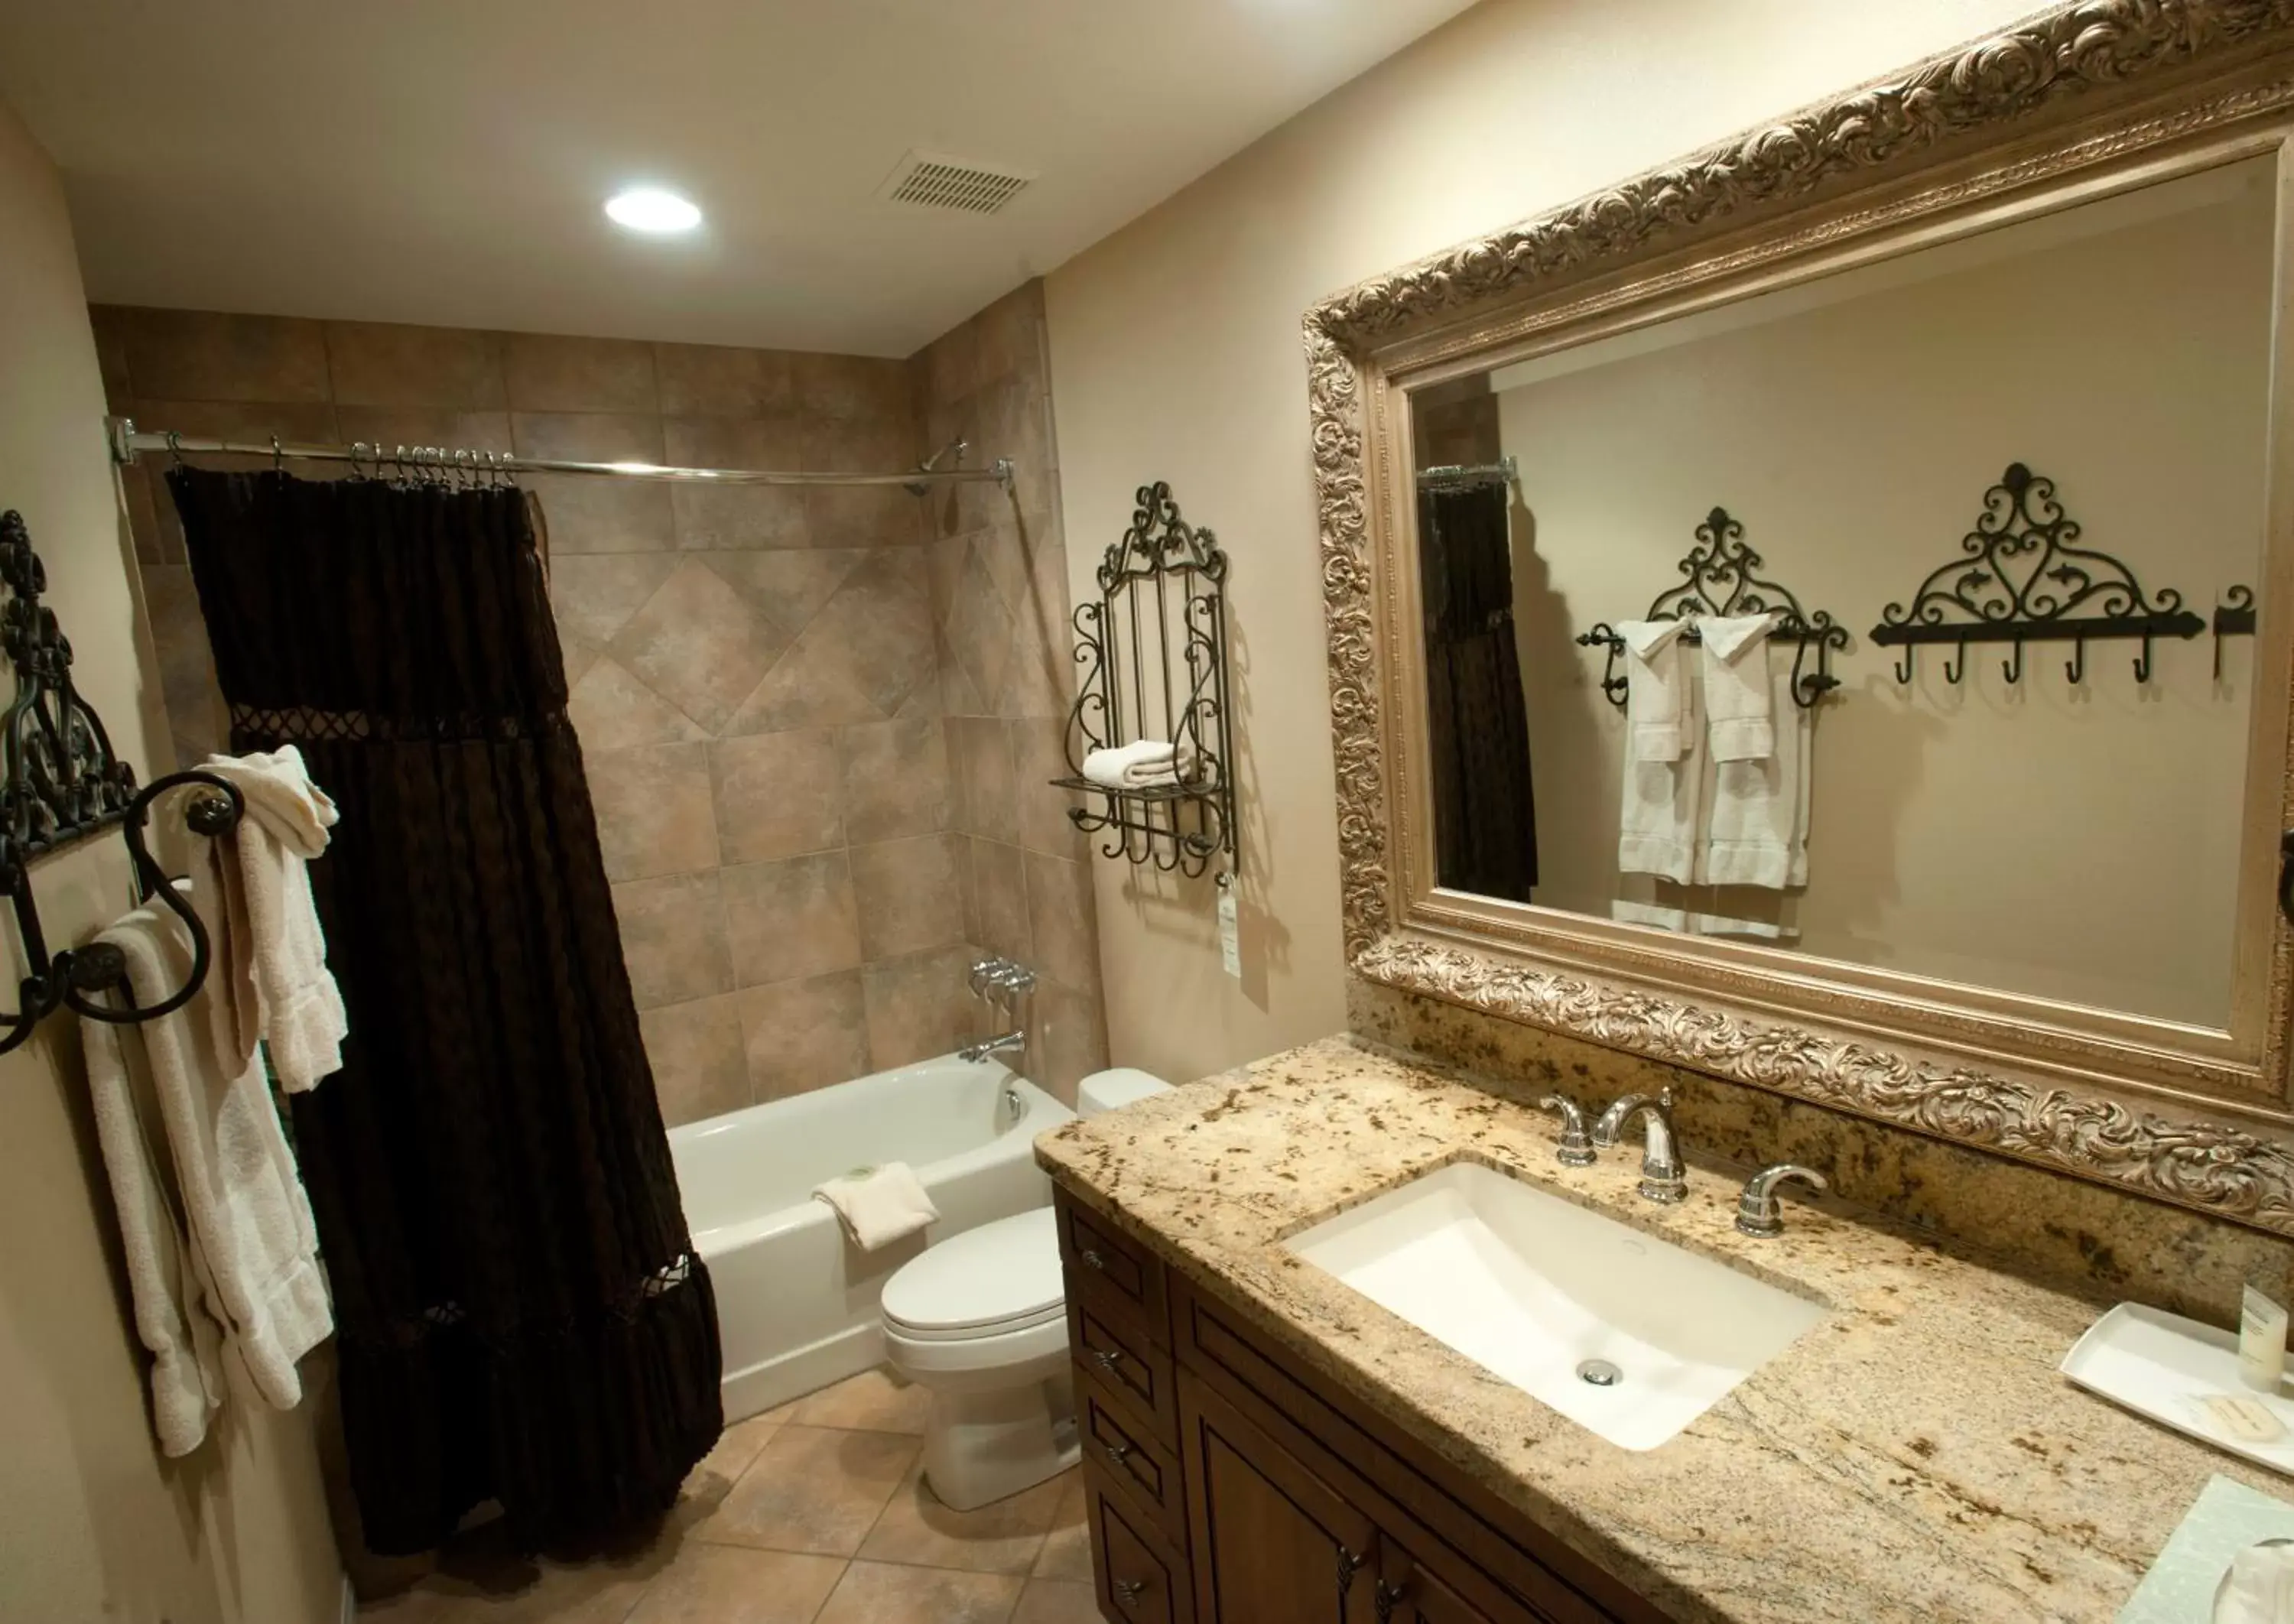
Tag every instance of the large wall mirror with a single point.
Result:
(1841, 640)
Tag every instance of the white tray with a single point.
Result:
(2160, 1365)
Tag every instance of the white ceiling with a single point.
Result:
(446, 160)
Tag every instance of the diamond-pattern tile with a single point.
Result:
(698, 643)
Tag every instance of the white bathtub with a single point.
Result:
(795, 1302)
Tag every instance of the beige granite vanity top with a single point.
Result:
(1914, 1457)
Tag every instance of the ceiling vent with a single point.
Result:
(930, 181)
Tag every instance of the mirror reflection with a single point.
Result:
(1901, 617)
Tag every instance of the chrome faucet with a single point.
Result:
(1575, 1148)
(1662, 1177)
(1758, 1213)
(986, 1046)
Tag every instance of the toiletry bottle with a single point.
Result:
(2261, 1336)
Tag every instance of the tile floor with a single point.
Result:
(812, 1513)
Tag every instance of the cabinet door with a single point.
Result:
(1273, 1544)
(1408, 1592)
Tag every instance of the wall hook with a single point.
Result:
(2234, 618)
(1904, 666)
(2014, 669)
(2143, 662)
(2075, 668)
(1955, 668)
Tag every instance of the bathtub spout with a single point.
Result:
(994, 1046)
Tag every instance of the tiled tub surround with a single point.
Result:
(1913, 1457)
(758, 674)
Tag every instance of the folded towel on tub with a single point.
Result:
(878, 1205)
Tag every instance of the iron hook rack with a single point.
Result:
(1721, 582)
(59, 783)
(2067, 593)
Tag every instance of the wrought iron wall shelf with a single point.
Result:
(2063, 593)
(1721, 582)
(1153, 646)
(60, 783)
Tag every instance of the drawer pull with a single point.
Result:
(1117, 1453)
(1387, 1597)
(1348, 1565)
(1128, 1590)
(1092, 1260)
(1108, 1358)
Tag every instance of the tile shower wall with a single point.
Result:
(759, 675)
(998, 576)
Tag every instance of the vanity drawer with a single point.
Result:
(1140, 1579)
(1133, 1374)
(1118, 1277)
(1123, 1452)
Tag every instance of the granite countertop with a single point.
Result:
(1914, 1457)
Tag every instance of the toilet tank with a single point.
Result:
(1106, 1091)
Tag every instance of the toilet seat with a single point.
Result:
(992, 1282)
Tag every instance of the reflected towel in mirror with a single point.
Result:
(1737, 708)
(1656, 690)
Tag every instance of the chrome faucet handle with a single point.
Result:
(1576, 1147)
(1758, 1213)
(1613, 1120)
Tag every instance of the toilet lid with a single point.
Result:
(1002, 1276)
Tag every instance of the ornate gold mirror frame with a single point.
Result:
(2087, 99)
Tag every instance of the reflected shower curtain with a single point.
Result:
(1484, 817)
(521, 1316)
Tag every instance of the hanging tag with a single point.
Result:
(1230, 928)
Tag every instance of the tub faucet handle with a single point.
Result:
(1576, 1147)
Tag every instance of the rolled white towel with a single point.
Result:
(878, 1205)
(1143, 764)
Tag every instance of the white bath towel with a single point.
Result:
(165, 1284)
(249, 1220)
(1657, 701)
(1737, 713)
(253, 891)
(1757, 831)
(879, 1206)
(1139, 764)
(1656, 823)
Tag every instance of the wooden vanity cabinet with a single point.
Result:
(1228, 1487)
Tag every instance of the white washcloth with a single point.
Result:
(2259, 1587)
(1656, 690)
(879, 1206)
(252, 891)
(1656, 821)
(1737, 713)
(1141, 764)
(164, 1281)
(249, 1221)
(1757, 832)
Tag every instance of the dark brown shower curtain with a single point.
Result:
(1484, 819)
(520, 1314)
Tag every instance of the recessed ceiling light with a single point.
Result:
(652, 211)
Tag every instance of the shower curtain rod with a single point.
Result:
(128, 441)
(1455, 476)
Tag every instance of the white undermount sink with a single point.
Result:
(1554, 1298)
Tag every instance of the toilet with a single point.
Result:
(980, 1321)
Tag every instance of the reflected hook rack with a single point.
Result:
(2063, 593)
(1720, 582)
(59, 783)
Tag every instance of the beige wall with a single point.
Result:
(93, 1524)
(1979, 832)
(1175, 355)
(760, 675)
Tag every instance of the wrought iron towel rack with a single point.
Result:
(59, 783)
(1721, 582)
(2064, 594)
(1165, 582)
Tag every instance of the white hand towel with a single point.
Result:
(1143, 764)
(1757, 834)
(250, 1221)
(1738, 713)
(1656, 823)
(164, 1281)
(879, 1206)
(1627, 910)
(1656, 690)
(2259, 1587)
(253, 891)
